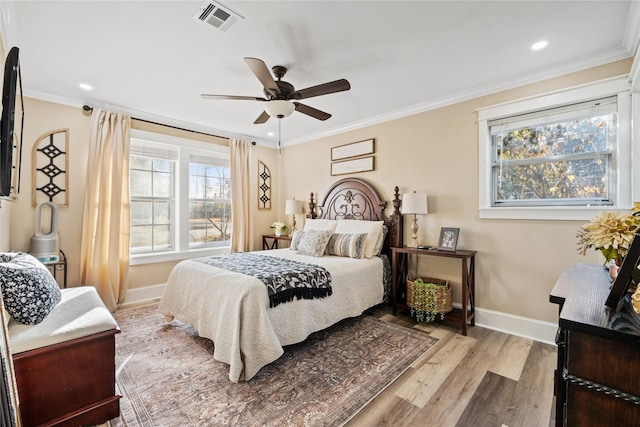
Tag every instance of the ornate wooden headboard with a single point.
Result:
(353, 198)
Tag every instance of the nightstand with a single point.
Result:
(274, 241)
(60, 265)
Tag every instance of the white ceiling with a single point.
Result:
(151, 60)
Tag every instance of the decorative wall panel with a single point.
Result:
(264, 186)
(50, 166)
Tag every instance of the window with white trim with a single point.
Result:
(180, 192)
(557, 156)
(560, 156)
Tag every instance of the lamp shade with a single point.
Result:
(293, 207)
(414, 203)
(279, 108)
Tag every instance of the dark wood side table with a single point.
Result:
(60, 265)
(466, 315)
(274, 241)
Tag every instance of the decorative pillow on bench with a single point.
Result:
(29, 290)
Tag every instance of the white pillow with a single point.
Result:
(378, 248)
(354, 226)
(320, 224)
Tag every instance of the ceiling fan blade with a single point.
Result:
(262, 118)
(323, 89)
(310, 111)
(240, 98)
(263, 74)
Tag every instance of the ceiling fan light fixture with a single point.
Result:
(279, 108)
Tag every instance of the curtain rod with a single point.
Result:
(89, 108)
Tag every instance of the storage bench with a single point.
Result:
(65, 365)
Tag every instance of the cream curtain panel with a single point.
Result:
(105, 229)
(240, 155)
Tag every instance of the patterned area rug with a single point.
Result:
(168, 377)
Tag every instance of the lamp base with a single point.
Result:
(414, 233)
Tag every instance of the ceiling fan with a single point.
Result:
(280, 96)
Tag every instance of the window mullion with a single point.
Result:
(551, 159)
(182, 200)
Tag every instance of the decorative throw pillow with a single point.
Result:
(314, 242)
(29, 290)
(295, 240)
(354, 226)
(347, 245)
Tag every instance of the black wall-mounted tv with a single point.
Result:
(11, 126)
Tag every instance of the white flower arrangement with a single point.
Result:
(280, 227)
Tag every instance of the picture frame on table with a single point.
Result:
(448, 240)
(627, 274)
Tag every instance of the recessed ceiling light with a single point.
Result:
(270, 133)
(539, 45)
(85, 86)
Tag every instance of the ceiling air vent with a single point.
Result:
(217, 15)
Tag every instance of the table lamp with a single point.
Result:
(293, 207)
(416, 204)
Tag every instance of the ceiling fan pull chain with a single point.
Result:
(279, 134)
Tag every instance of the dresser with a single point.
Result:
(597, 380)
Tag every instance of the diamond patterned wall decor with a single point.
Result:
(50, 164)
(264, 186)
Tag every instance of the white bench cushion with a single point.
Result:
(79, 313)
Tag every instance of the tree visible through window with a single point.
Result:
(565, 158)
(209, 204)
(180, 196)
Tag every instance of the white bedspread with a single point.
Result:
(232, 309)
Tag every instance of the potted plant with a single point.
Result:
(427, 298)
(611, 233)
(279, 228)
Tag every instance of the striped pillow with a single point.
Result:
(347, 245)
(296, 237)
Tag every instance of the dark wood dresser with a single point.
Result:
(597, 381)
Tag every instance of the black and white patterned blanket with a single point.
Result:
(285, 279)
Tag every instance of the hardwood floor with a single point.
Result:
(487, 378)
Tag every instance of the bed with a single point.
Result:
(250, 326)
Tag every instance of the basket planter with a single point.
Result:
(427, 297)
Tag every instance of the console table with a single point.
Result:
(597, 381)
(465, 315)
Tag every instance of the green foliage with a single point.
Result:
(548, 162)
(429, 300)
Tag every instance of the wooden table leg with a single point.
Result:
(465, 296)
(394, 281)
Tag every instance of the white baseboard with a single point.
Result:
(534, 329)
(511, 324)
(140, 296)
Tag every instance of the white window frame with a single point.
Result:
(185, 147)
(624, 151)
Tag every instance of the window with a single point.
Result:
(152, 196)
(180, 192)
(557, 156)
(209, 201)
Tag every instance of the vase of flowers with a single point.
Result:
(610, 233)
(279, 228)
